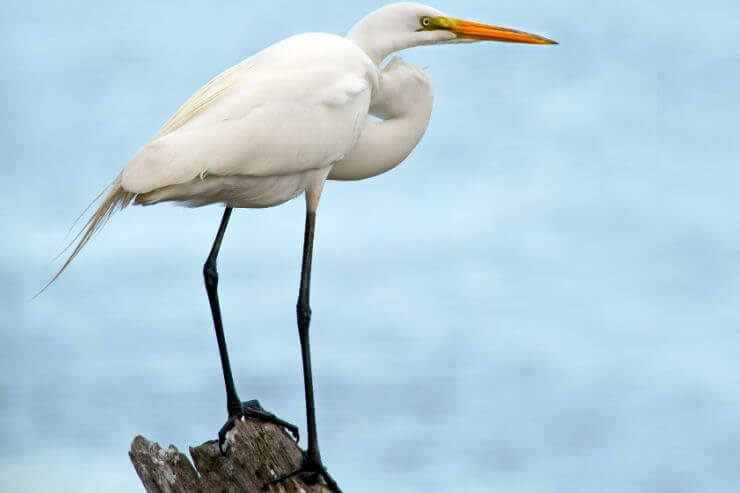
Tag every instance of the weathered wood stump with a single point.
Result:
(258, 453)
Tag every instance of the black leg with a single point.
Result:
(234, 406)
(210, 274)
(303, 312)
(312, 464)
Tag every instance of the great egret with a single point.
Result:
(279, 124)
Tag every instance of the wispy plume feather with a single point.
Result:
(116, 200)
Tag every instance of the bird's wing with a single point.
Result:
(295, 106)
(206, 95)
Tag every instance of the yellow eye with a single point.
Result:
(426, 21)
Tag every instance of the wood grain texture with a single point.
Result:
(257, 453)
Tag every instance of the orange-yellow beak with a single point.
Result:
(475, 30)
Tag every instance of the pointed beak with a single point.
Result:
(475, 30)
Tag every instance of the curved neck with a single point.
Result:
(392, 28)
(395, 27)
(383, 145)
(377, 46)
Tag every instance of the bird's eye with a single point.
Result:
(426, 21)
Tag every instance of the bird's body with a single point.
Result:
(280, 123)
(221, 146)
(272, 127)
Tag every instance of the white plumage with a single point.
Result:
(278, 125)
(280, 122)
(262, 132)
(403, 104)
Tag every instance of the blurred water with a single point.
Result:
(543, 298)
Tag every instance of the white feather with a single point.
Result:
(277, 124)
(291, 108)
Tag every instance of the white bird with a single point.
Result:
(276, 126)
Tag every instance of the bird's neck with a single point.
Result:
(376, 43)
(384, 144)
(377, 52)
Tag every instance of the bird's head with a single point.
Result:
(406, 24)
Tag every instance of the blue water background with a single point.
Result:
(543, 298)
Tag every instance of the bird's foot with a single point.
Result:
(252, 409)
(309, 471)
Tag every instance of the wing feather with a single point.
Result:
(292, 107)
(205, 96)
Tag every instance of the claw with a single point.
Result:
(309, 472)
(252, 409)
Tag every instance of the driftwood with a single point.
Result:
(257, 453)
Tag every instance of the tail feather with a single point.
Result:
(117, 199)
(77, 220)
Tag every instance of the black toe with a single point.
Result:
(309, 471)
(252, 409)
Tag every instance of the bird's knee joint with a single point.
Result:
(210, 274)
(303, 311)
